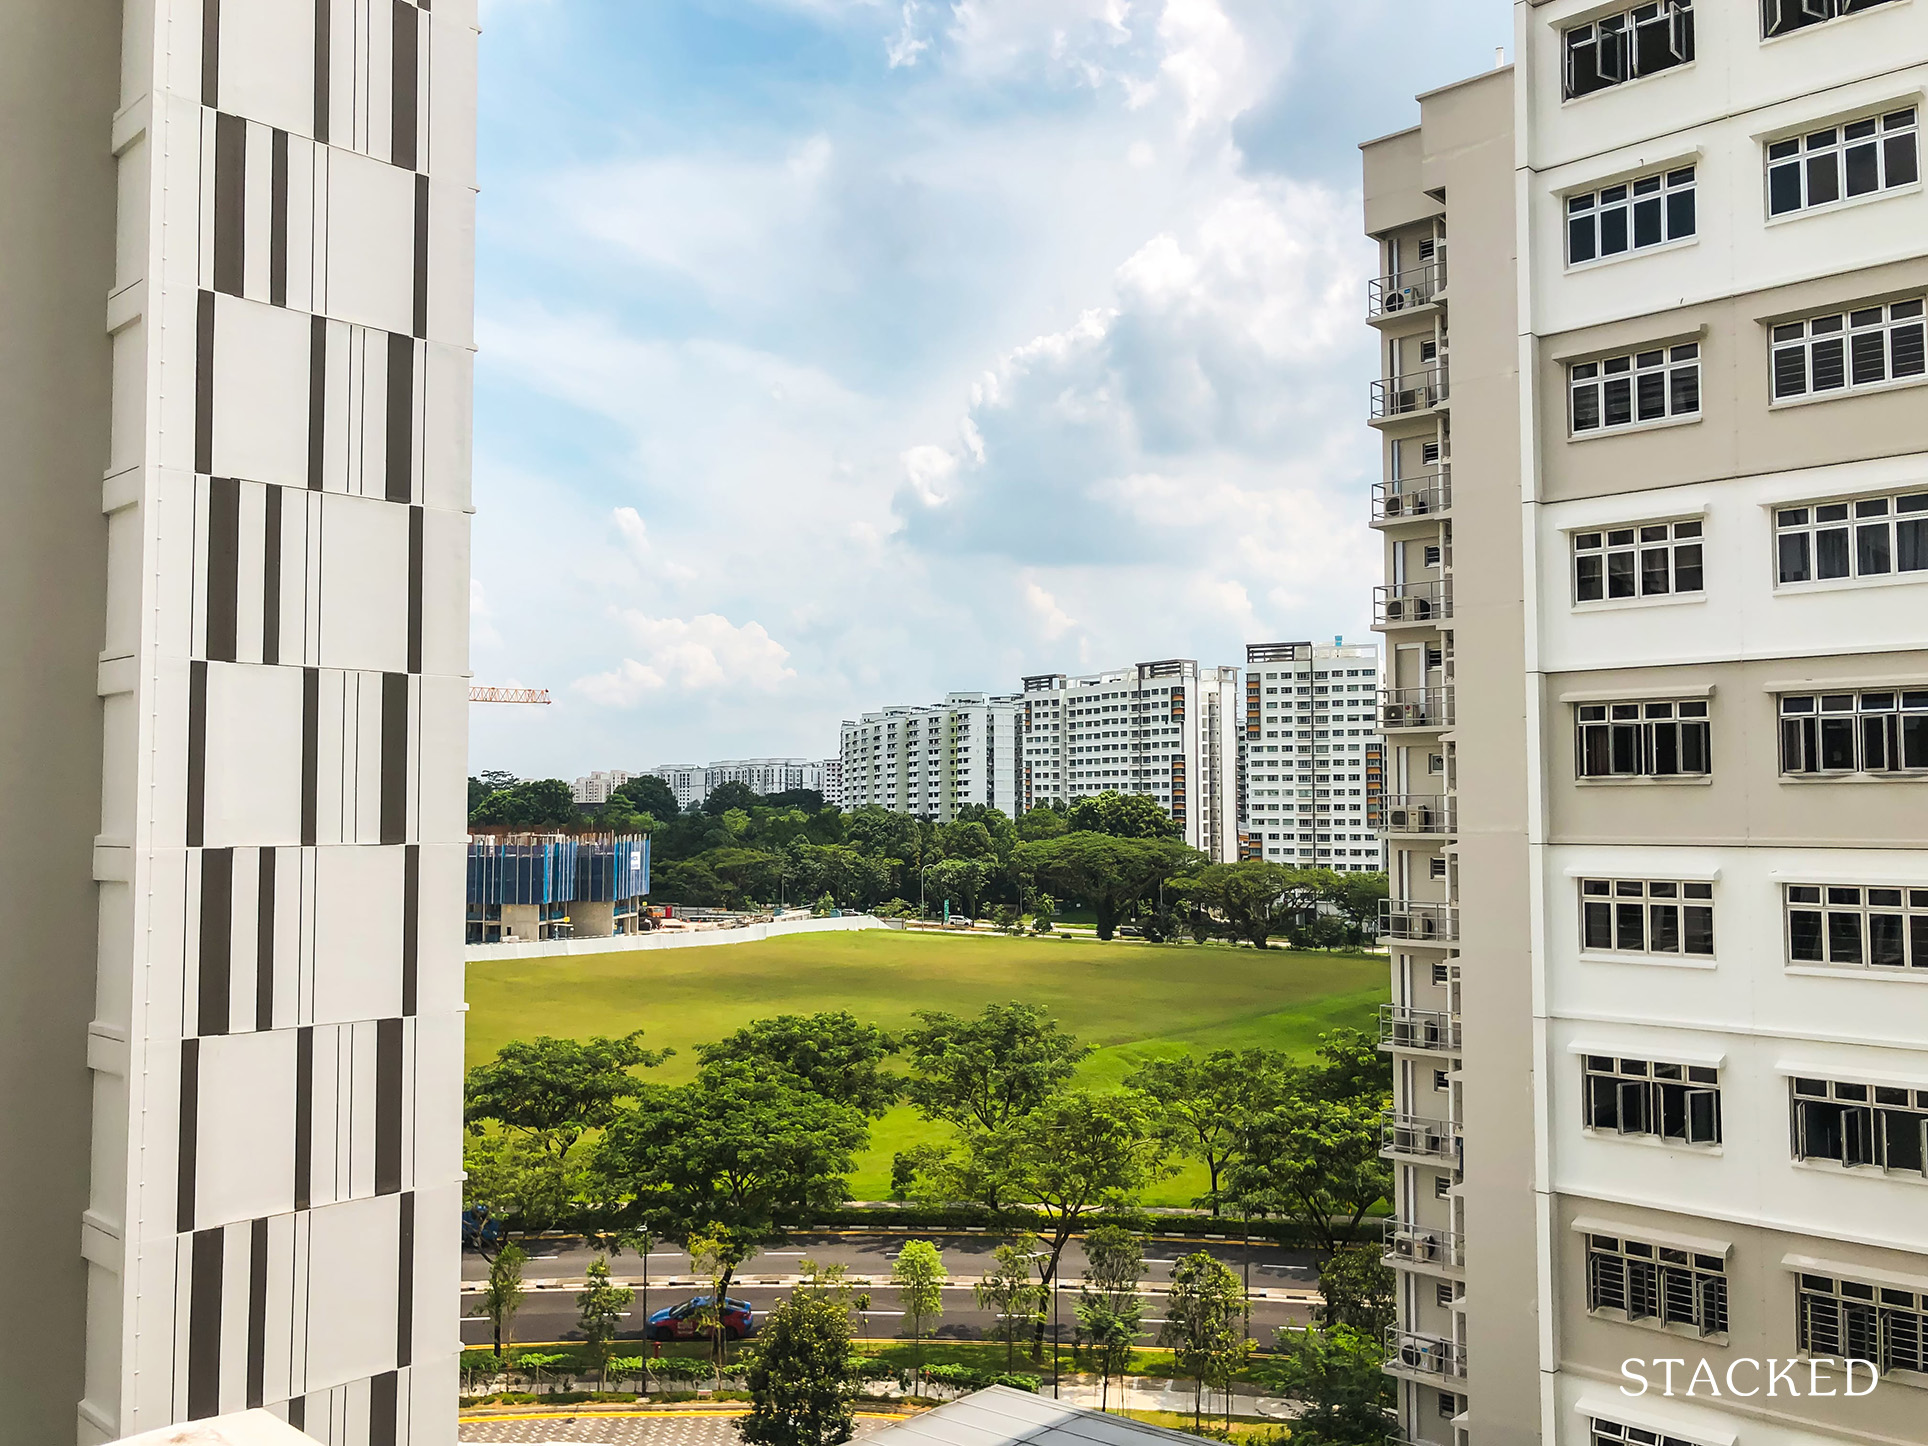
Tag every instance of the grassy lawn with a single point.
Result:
(1134, 1001)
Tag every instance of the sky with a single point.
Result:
(837, 354)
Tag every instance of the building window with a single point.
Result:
(1778, 17)
(1848, 1320)
(1612, 1433)
(1855, 1124)
(1855, 733)
(1642, 740)
(1854, 927)
(1849, 351)
(1646, 916)
(1652, 560)
(1677, 1102)
(1641, 41)
(1630, 216)
(1657, 1283)
(1875, 153)
(1863, 537)
(1623, 391)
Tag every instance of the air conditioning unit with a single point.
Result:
(1409, 296)
(1396, 819)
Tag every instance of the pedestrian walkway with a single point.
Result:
(658, 1428)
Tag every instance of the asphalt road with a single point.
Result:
(1283, 1282)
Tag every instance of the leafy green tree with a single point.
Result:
(538, 803)
(600, 1308)
(805, 800)
(488, 781)
(1359, 1291)
(959, 880)
(982, 1073)
(1041, 822)
(726, 796)
(1252, 899)
(715, 1253)
(688, 882)
(555, 1089)
(1351, 1066)
(747, 874)
(1044, 910)
(1204, 1324)
(802, 1388)
(1122, 815)
(883, 834)
(1203, 1100)
(1357, 898)
(519, 1179)
(1337, 1375)
(960, 839)
(1110, 1310)
(919, 1276)
(1011, 1293)
(651, 795)
(502, 1296)
(1111, 874)
(830, 1054)
(1314, 1162)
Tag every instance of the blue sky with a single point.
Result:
(840, 353)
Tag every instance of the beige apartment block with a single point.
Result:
(1656, 523)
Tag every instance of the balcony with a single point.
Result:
(1415, 709)
(1418, 1138)
(1429, 494)
(1430, 1030)
(1409, 395)
(1410, 604)
(1420, 923)
(1405, 1243)
(1408, 290)
(1425, 1355)
(1419, 815)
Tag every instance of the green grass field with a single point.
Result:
(1134, 1001)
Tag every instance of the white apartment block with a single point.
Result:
(934, 760)
(1313, 765)
(832, 784)
(765, 775)
(1167, 730)
(236, 262)
(1651, 504)
(598, 787)
(688, 781)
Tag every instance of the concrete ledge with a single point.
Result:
(670, 939)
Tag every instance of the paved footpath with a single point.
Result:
(663, 1428)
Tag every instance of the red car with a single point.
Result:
(689, 1321)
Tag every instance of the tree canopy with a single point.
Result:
(555, 1089)
(1109, 873)
(830, 1053)
(982, 1073)
(646, 793)
(1122, 815)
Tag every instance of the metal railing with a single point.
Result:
(1426, 1029)
(1404, 604)
(1403, 290)
(1415, 708)
(1420, 813)
(1425, 495)
(1432, 1355)
(1422, 1245)
(1411, 392)
(1415, 1135)
(1424, 923)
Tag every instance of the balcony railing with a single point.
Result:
(1431, 1355)
(1423, 1245)
(1415, 708)
(1427, 1029)
(1426, 923)
(1425, 495)
(1403, 604)
(1412, 392)
(1417, 813)
(1414, 1135)
(1404, 290)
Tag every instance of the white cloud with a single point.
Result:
(1053, 621)
(634, 533)
(691, 655)
(907, 45)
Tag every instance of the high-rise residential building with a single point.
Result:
(1669, 757)
(934, 760)
(765, 775)
(832, 784)
(1312, 762)
(1167, 730)
(237, 281)
(600, 786)
(688, 781)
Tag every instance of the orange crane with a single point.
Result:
(508, 695)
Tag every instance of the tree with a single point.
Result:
(1203, 1101)
(555, 1089)
(1040, 823)
(919, 1276)
(734, 794)
(1010, 1293)
(1359, 1291)
(518, 1178)
(965, 839)
(1122, 815)
(538, 803)
(1110, 1310)
(960, 881)
(600, 1308)
(805, 800)
(1313, 1161)
(982, 1073)
(1110, 874)
(502, 1296)
(715, 1253)
(1337, 1375)
(1204, 1315)
(830, 1054)
(1357, 897)
(802, 1389)
(649, 794)
(488, 781)
(1044, 909)
(1253, 899)
(1352, 1066)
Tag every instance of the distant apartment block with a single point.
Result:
(1313, 765)
(933, 760)
(765, 775)
(688, 781)
(597, 788)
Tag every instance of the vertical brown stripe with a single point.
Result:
(400, 483)
(310, 753)
(278, 220)
(190, 1135)
(421, 256)
(402, 141)
(204, 383)
(416, 523)
(204, 1325)
(298, 1407)
(271, 580)
(304, 1116)
(324, 24)
(264, 941)
(405, 1286)
(394, 757)
(317, 399)
(217, 940)
(230, 203)
(382, 1401)
(388, 1106)
(411, 924)
(197, 751)
(224, 567)
(257, 1313)
(210, 52)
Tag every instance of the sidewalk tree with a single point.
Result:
(1337, 1376)
(1314, 1162)
(830, 1054)
(802, 1388)
(600, 1308)
(1110, 874)
(918, 1275)
(961, 881)
(1011, 1293)
(1204, 1323)
(554, 1090)
(502, 1296)
(1201, 1101)
(984, 1072)
(1251, 900)
(715, 1253)
(1359, 1291)
(519, 1179)
(1110, 1310)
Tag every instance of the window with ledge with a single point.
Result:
(1613, 1433)
(1778, 17)
(1852, 1320)
(1857, 927)
(1849, 351)
(1642, 740)
(1882, 1127)
(1860, 537)
(1654, 559)
(1657, 1283)
(1841, 162)
(1623, 391)
(1641, 40)
(1675, 1102)
(1631, 216)
(1882, 732)
(1646, 916)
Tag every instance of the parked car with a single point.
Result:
(686, 1321)
(480, 1230)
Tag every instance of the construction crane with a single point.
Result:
(508, 695)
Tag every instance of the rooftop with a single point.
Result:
(1000, 1416)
